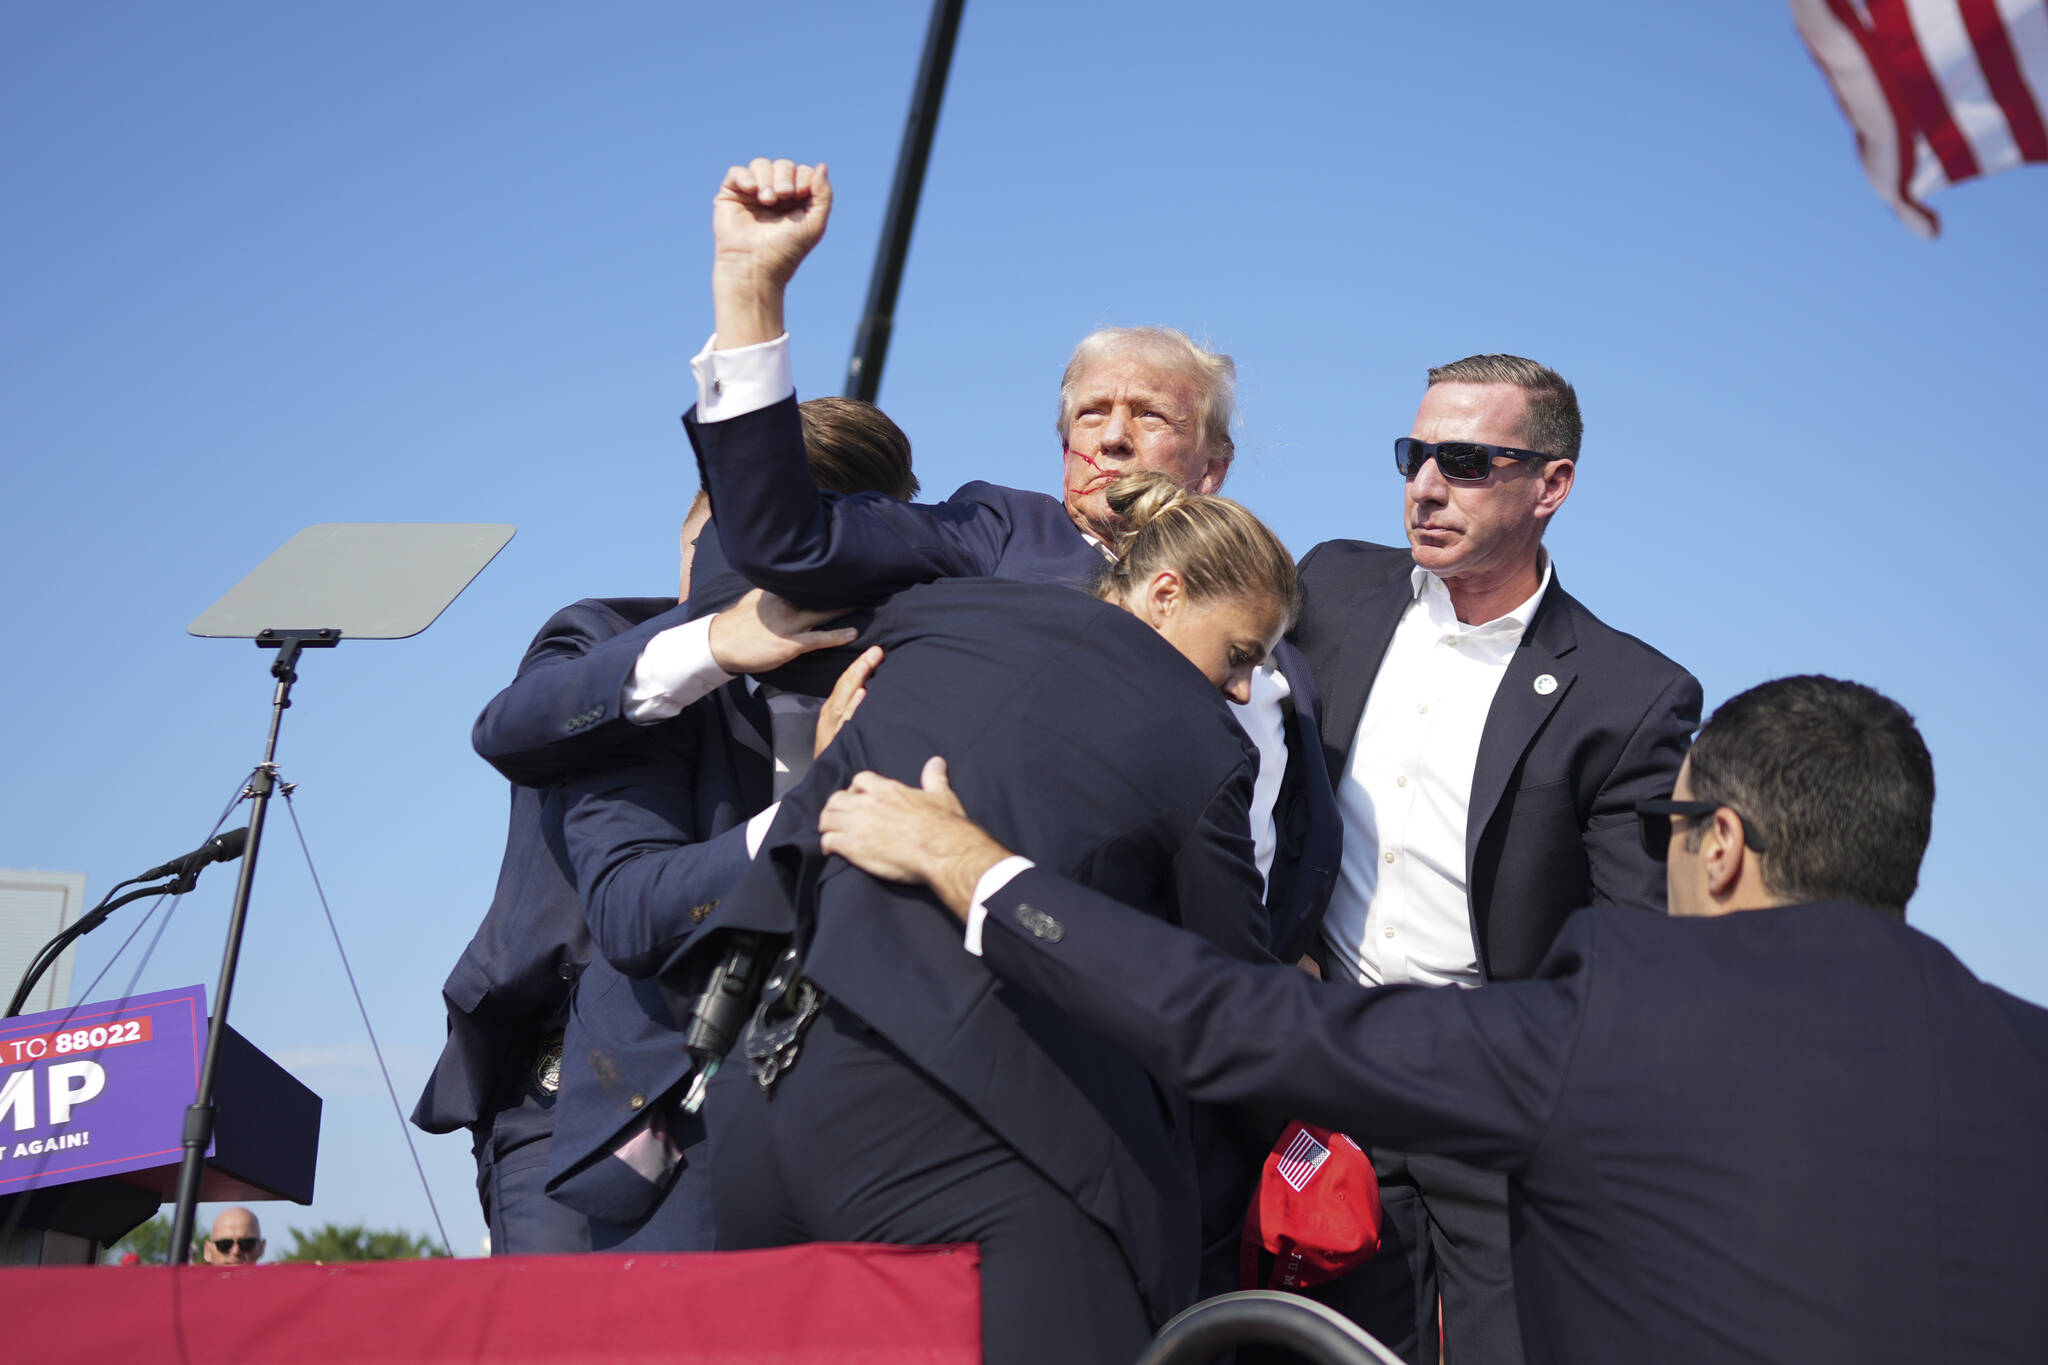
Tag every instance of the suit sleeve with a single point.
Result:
(562, 713)
(1215, 881)
(646, 879)
(826, 549)
(1470, 1074)
(1620, 872)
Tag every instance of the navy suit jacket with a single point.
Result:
(633, 902)
(511, 986)
(562, 716)
(1552, 821)
(1799, 1134)
(1087, 740)
(824, 549)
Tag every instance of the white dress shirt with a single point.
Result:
(1401, 911)
(990, 882)
(674, 669)
(1264, 720)
(744, 379)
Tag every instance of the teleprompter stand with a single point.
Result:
(358, 581)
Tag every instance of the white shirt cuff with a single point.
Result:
(742, 380)
(757, 829)
(990, 882)
(675, 669)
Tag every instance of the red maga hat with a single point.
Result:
(1316, 1215)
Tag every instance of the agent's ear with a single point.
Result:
(1723, 853)
(1161, 597)
(1557, 486)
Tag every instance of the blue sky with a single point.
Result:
(279, 265)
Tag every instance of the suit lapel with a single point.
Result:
(1361, 627)
(1521, 706)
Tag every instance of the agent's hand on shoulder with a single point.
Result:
(910, 834)
(761, 632)
(847, 695)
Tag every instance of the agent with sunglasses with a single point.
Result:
(236, 1238)
(1778, 1126)
(1488, 737)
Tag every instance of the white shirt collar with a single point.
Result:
(1436, 599)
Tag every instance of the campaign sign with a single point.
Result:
(98, 1089)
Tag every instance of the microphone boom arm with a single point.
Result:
(46, 956)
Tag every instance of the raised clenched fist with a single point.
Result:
(768, 215)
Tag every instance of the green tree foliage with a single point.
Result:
(150, 1243)
(354, 1242)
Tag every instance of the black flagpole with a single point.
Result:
(871, 343)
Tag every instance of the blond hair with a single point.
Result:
(1218, 549)
(1211, 372)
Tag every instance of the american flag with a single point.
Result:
(1298, 1164)
(1938, 91)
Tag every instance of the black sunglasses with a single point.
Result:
(1653, 819)
(1460, 461)
(246, 1245)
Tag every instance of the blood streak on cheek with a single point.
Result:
(1103, 476)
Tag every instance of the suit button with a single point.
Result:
(567, 971)
(699, 912)
(1040, 924)
(636, 1102)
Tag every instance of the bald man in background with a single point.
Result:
(235, 1239)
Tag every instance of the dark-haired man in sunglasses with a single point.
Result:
(235, 1239)
(1488, 737)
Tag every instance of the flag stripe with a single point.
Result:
(1841, 47)
(1897, 48)
(2026, 23)
(2002, 73)
(1952, 59)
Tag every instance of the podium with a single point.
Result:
(92, 1113)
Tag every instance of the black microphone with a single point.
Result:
(219, 849)
(222, 848)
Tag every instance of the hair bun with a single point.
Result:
(1141, 497)
(1214, 546)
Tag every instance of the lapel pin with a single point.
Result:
(1545, 684)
